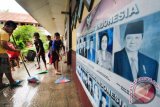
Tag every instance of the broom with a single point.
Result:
(31, 79)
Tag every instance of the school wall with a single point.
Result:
(82, 95)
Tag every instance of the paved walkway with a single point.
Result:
(45, 94)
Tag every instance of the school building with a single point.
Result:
(101, 38)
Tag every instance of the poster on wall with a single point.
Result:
(118, 54)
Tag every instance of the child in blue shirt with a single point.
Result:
(56, 45)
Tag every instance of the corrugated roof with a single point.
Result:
(17, 17)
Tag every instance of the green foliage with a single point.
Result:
(24, 33)
(43, 37)
(1, 25)
(20, 44)
(46, 44)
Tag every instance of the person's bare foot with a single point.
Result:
(48, 62)
(38, 67)
(18, 66)
(65, 61)
(57, 73)
(12, 69)
(46, 69)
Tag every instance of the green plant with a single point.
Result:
(24, 34)
(46, 46)
(20, 44)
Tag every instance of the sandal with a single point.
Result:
(4, 85)
(58, 73)
(16, 83)
(38, 67)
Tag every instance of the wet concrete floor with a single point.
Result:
(45, 94)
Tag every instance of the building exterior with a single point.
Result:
(95, 84)
(19, 18)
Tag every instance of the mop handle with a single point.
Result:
(22, 58)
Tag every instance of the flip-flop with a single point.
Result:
(58, 73)
(38, 68)
(16, 84)
(4, 85)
